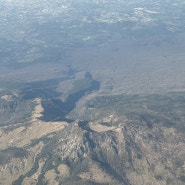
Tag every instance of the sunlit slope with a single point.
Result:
(123, 140)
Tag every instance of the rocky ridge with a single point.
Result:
(112, 149)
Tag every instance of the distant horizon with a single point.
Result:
(92, 92)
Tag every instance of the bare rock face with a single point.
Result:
(86, 92)
(133, 141)
(132, 153)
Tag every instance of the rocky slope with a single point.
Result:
(117, 146)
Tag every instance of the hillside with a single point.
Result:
(119, 139)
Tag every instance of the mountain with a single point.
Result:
(92, 92)
(118, 139)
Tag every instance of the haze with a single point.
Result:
(131, 47)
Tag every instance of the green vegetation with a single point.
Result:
(9, 153)
(116, 152)
(152, 108)
(80, 84)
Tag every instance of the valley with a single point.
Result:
(119, 139)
